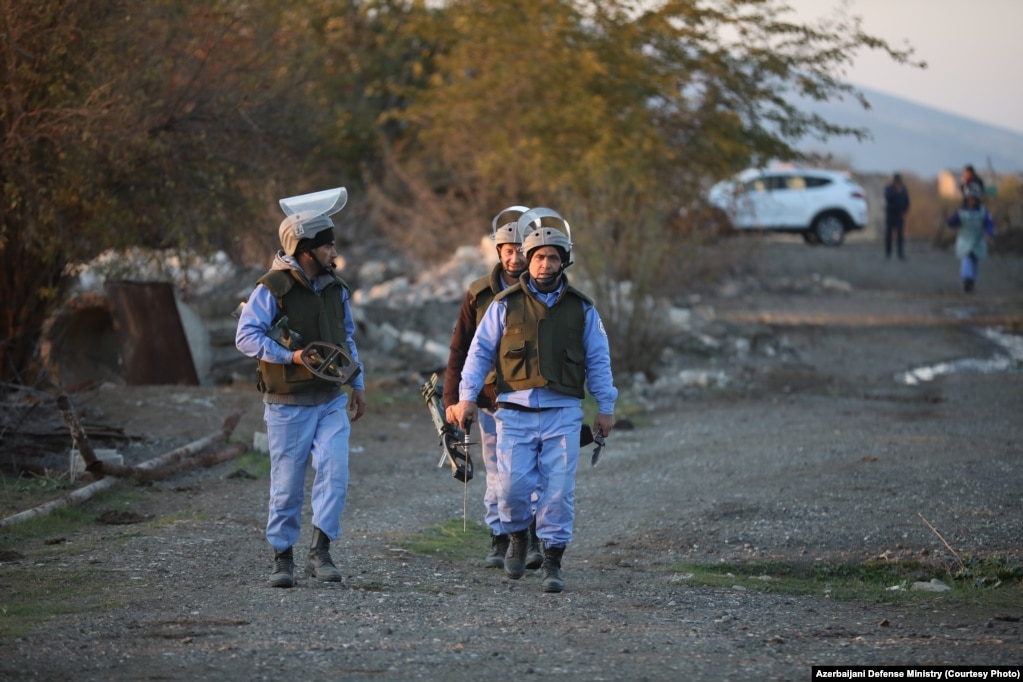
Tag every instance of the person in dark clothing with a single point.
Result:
(970, 181)
(896, 204)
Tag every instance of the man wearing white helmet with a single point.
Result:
(548, 345)
(305, 414)
(507, 238)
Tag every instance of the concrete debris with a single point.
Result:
(405, 318)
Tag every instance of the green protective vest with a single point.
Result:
(484, 290)
(542, 346)
(315, 316)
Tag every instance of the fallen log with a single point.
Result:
(143, 471)
(88, 491)
(78, 436)
(96, 431)
(202, 460)
(71, 499)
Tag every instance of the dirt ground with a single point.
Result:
(817, 456)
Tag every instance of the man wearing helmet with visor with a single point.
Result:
(548, 345)
(305, 414)
(507, 236)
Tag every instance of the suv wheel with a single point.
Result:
(830, 229)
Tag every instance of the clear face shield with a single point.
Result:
(508, 215)
(326, 202)
(306, 215)
(546, 227)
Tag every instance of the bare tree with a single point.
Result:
(620, 117)
(128, 124)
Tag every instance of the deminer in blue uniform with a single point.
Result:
(507, 236)
(305, 414)
(547, 344)
(975, 229)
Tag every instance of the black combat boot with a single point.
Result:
(498, 548)
(319, 564)
(284, 569)
(552, 580)
(534, 555)
(515, 558)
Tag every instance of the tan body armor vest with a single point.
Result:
(542, 346)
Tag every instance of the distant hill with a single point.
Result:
(915, 138)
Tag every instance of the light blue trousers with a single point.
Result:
(969, 267)
(538, 453)
(488, 448)
(298, 433)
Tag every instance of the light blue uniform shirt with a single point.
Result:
(483, 355)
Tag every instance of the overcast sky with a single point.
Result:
(973, 50)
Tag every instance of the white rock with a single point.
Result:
(834, 284)
(934, 585)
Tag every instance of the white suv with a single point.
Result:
(822, 205)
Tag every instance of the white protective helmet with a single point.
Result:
(539, 222)
(505, 232)
(309, 215)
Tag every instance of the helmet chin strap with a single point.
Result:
(545, 282)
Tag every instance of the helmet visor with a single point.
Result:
(325, 202)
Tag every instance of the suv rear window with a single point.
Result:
(812, 181)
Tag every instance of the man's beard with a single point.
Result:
(325, 268)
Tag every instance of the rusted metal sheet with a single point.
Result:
(150, 336)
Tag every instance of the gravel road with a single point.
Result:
(818, 457)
